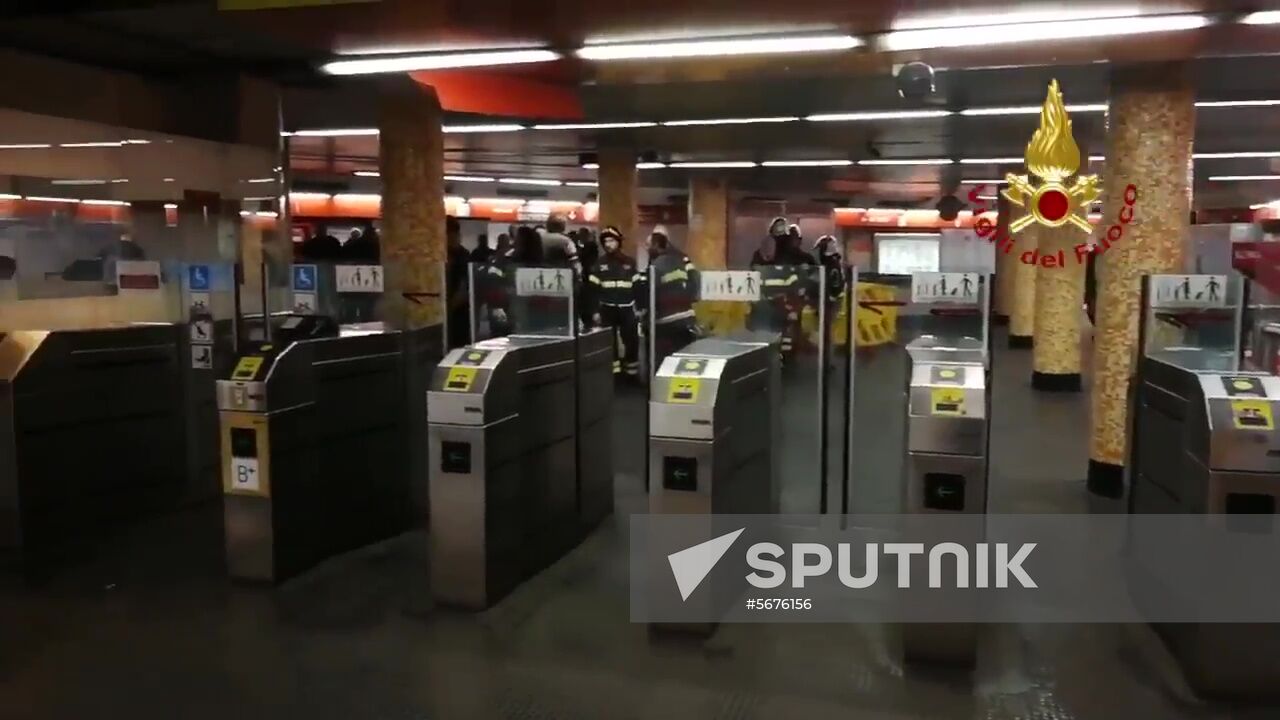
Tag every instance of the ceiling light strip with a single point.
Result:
(437, 61)
(907, 161)
(1014, 33)
(806, 163)
(726, 164)
(594, 126)
(772, 45)
(732, 121)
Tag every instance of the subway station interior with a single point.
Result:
(343, 342)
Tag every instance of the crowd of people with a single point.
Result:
(611, 289)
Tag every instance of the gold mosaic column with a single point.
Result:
(1151, 128)
(411, 160)
(1004, 263)
(708, 242)
(1022, 310)
(617, 176)
(1059, 296)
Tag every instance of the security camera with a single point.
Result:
(914, 81)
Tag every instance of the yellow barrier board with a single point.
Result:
(1252, 415)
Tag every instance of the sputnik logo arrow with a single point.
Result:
(691, 565)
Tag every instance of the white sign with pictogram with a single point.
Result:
(358, 278)
(202, 357)
(945, 287)
(304, 303)
(545, 282)
(740, 285)
(1182, 291)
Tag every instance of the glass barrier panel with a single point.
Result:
(1261, 328)
(1193, 321)
(787, 308)
(892, 312)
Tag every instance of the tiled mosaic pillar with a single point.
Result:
(708, 242)
(1004, 264)
(617, 176)
(1022, 310)
(1151, 128)
(411, 160)
(1059, 297)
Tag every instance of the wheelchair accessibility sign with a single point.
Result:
(304, 278)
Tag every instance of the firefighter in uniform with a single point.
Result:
(612, 301)
(674, 323)
(496, 279)
(828, 253)
(781, 295)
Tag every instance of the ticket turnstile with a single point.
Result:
(1222, 424)
(515, 480)
(713, 416)
(92, 434)
(317, 455)
(948, 428)
(948, 420)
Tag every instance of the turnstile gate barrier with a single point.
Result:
(1227, 461)
(948, 429)
(515, 477)
(317, 456)
(713, 410)
(947, 426)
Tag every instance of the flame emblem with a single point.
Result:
(1052, 157)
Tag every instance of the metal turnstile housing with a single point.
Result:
(948, 431)
(317, 454)
(713, 419)
(516, 477)
(1207, 442)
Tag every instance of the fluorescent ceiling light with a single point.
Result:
(530, 181)
(259, 199)
(983, 182)
(37, 198)
(112, 203)
(137, 141)
(7, 196)
(581, 183)
(1222, 155)
(468, 178)
(650, 165)
(1031, 110)
(806, 163)
(25, 146)
(1234, 178)
(267, 213)
(988, 197)
(119, 180)
(171, 206)
(590, 166)
(367, 173)
(498, 201)
(990, 161)
(91, 144)
(594, 126)
(1097, 158)
(878, 115)
(168, 179)
(437, 61)
(356, 197)
(1235, 103)
(85, 181)
(261, 180)
(708, 48)
(733, 121)
(1013, 33)
(1264, 17)
(332, 132)
(968, 20)
(907, 161)
(719, 164)
(309, 196)
(491, 127)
